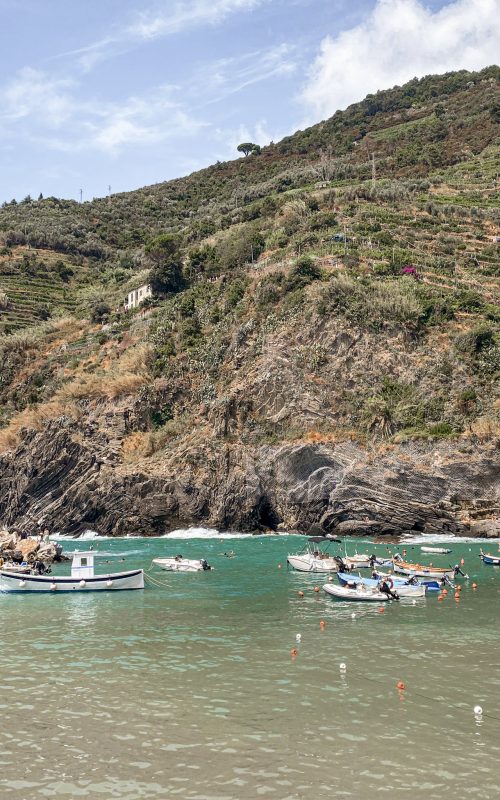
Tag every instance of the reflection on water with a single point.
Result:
(190, 690)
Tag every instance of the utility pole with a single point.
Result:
(109, 193)
(81, 195)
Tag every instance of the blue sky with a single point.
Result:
(127, 92)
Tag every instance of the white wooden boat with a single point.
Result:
(443, 550)
(423, 570)
(361, 593)
(180, 564)
(82, 579)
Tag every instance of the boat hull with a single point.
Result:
(183, 565)
(309, 563)
(400, 585)
(363, 595)
(117, 581)
(487, 558)
(441, 550)
(420, 571)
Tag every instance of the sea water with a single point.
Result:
(199, 689)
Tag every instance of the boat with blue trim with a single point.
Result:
(82, 579)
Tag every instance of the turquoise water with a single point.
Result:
(190, 690)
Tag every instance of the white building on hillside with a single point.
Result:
(137, 296)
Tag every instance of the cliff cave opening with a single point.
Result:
(266, 516)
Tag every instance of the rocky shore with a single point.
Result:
(18, 548)
(61, 481)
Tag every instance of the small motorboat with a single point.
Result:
(313, 559)
(425, 571)
(82, 579)
(401, 586)
(488, 558)
(442, 550)
(360, 593)
(181, 564)
(359, 561)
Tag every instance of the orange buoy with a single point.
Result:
(316, 588)
(459, 588)
(294, 652)
(401, 685)
(381, 610)
(440, 597)
(474, 585)
(444, 591)
(462, 562)
(301, 594)
(322, 624)
(330, 579)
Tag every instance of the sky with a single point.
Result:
(100, 95)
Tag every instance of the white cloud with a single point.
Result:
(43, 109)
(166, 20)
(34, 93)
(230, 75)
(399, 40)
(149, 25)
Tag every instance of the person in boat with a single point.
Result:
(375, 575)
(413, 581)
(397, 557)
(458, 571)
(373, 560)
(204, 563)
(178, 557)
(386, 587)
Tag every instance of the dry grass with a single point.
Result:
(35, 417)
(486, 428)
(125, 377)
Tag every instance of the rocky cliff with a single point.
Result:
(58, 480)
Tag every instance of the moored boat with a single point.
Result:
(82, 579)
(488, 558)
(423, 570)
(403, 586)
(180, 564)
(313, 559)
(440, 550)
(360, 593)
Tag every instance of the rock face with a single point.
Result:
(63, 481)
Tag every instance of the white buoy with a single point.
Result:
(353, 615)
(414, 602)
(82, 584)
(298, 637)
(478, 711)
(343, 667)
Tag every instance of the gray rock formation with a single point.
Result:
(63, 481)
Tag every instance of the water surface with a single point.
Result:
(189, 690)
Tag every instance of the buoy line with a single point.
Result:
(402, 687)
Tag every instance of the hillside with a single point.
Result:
(329, 356)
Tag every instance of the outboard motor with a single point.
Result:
(205, 564)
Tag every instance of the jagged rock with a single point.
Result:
(489, 528)
(57, 480)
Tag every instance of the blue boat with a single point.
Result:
(487, 558)
(345, 578)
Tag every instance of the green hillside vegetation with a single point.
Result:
(300, 294)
